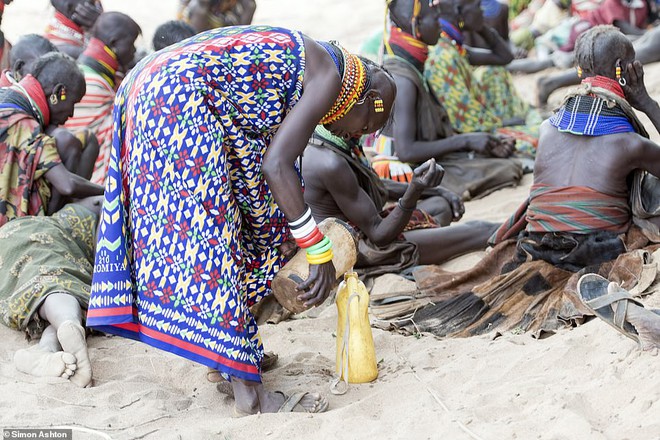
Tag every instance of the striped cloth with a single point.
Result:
(575, 209)
(62, 31)
(94, 113)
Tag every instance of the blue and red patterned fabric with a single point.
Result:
(189, 232)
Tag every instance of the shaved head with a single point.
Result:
(26, 51)
(112, 25)
(171, 32)
(57, 68)
(598, 50)
(427, 29)
(118, 31)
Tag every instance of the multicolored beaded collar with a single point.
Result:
(353, 85)
(450, 32)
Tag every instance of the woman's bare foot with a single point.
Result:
(252, 398)
(72, 338)
(43, 363)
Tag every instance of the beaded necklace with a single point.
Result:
(66, 30)
(100, 58)
(605, 83)
(404, 45)
(449, 32)
(353, 83)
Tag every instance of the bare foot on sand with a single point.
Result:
(267, 402)
(72, 339)
(647, 324)
(43, 363)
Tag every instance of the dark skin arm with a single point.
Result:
(499, 53)
(68, 184)
(336, 177)
(627, 28)
(405, 132)
(395, 190)
(321, 88)
(637, 94)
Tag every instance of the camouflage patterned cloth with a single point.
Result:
(41, 255)
(26, 155)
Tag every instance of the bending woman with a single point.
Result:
(202, 192)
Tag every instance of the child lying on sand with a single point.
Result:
(46, 266)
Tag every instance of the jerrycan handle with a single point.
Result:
(339, 384)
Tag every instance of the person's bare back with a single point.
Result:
(602, 163)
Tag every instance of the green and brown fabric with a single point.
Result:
(42, 255)
(26, 155)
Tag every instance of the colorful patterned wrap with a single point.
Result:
(189, 231)
(479, 100)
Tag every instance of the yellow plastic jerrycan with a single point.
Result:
(356, 354)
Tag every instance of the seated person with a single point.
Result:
(110, 49)
(68, 26)
(340, 183)
(630, 16)
(496, 16)
(578, 219)
(647, 48)
(420, 128)
(33, 171)
(481, 99)
(171, 32)
(210, 14)
(22, 56)
(45, 288)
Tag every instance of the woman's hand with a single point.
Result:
(427, 175)
(318, 285)
(635, 89)
(457, 206)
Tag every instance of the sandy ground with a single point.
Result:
(588, 383)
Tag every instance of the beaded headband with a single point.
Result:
(353, 85)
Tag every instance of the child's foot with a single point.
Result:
(72, 339)
(43, 363)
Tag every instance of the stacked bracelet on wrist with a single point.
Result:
(309, 237)
(402, 208)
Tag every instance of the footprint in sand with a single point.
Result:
(72, 339)
(43, 363)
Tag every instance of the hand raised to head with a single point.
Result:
(86, 14)
(635, 89)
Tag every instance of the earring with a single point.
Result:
(620, 78)
(53, 98)
(378, 106)
(63, 95)
(579, 71)
(461, 23)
